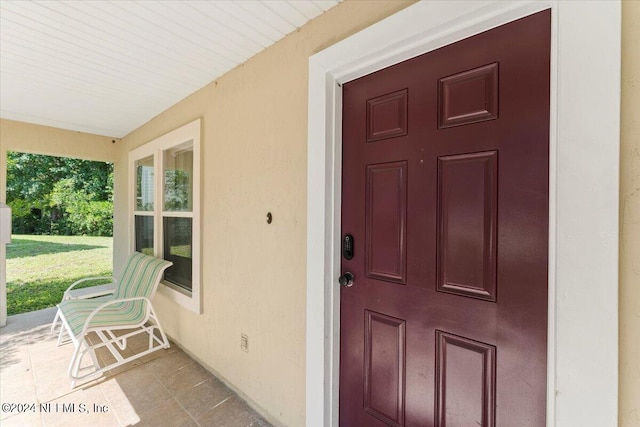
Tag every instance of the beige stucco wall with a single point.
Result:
(30, 138)
(630, 218)
(254, 161)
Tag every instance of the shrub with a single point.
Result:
(93, 218)
(80, 215)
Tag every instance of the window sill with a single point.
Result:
(180, 296)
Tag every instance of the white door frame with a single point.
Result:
(583, 211)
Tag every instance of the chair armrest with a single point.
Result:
(74, 284)
(85, 327)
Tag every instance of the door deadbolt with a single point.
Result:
(347, 247)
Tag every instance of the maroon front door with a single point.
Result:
(445, 193)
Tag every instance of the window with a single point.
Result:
(165, 213)
(144, 205)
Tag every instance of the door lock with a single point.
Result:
(347, 247)
(346, 280)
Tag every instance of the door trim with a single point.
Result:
(583, 193)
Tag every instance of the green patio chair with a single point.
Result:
(102, 292)
(129, 308)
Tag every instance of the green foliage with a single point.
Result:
(57, 195)
(20, 208)
(41, 268)
(92, 218)
(177, 188)
(24, 218)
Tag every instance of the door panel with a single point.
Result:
(387, 116)
(467, 219)
(384, 371)
(386, 218)
(465, 369)
(445, 192)
(468, 97)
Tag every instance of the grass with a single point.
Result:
(41, 268)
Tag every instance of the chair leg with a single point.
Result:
(55, 321)
(61, 334)
(153, 316)
(94, 358)
(76, 361)
(74, 366)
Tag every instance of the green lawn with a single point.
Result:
(40, 268)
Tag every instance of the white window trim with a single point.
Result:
(583, 197)
(155, 148)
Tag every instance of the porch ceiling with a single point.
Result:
(107, 67)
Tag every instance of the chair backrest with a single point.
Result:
(141, 276)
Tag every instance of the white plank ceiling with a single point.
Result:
(107, 67)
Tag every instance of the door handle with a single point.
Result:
(346, 280)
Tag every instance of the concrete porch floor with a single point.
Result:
(165, 388)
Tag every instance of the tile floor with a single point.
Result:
(165, 388)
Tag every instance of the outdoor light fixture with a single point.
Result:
(5, 224)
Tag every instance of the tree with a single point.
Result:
(59, 195)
